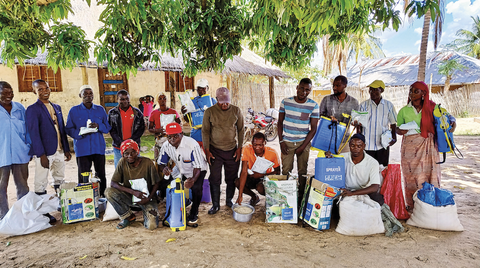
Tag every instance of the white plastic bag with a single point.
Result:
(386, 138)
(437, 218)
(261, 165)
(360, 215)
(166, 119)
(26, 215)
(110, 213)
(186, 101)
(412, 127)
(360, 117)
(139, 185)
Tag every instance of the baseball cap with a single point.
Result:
(223, 95)
(173, 128)
(202, 82)
(358, 136)
(377, 84)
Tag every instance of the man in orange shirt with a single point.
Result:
(252, 179)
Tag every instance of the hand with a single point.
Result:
(328, 154)
(189, 183)
(238, 154)
(68, 156)
(346, 192)
(401, 131)
(257, 175)
(209, 156)
(44, 161)
(356, 124)
(392, 142)
(143, 201)
(184, 109)
(299, 150)
(239, 199)
(454, 126)
(167, 171)
(93, 125)
(140, 195)
(284, 148)
(334, 120)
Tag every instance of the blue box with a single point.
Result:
(330, 171)
(323, 139)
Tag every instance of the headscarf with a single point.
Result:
(427, 123)
(129, 144)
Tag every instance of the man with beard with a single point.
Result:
(297, 124)
(89, 147)
(337, 104)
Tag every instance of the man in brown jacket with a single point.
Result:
(222, 134)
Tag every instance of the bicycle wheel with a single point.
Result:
(247, 135)
(271, 132)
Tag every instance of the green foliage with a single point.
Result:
(314, 73)
(449, 67)
(469, 41)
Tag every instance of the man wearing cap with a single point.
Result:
(382, 118)
(222, 134)
(190, 161)
(337, 104)
(127, 123)
(89, 146)
(202, 88)
(133, 169)
(361, 171)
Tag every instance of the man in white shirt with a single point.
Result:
(189, 159)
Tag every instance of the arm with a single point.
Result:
(113, 131)
(139, 125)
(393, 127)
(190, 181)
(104, 127)
(33, 129)
(370, 189)
(283, 146)
(453, 123)
(206, 130)
(323, 107)
(311, 133)
(177, 118)
(71, 129)
(240, 133)
(243, 180)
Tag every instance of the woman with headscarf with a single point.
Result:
(419, 152)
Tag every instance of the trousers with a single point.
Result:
(84, 164)
(57, 168)
(20, 176)
(302, 164)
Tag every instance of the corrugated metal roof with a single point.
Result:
(402, 70)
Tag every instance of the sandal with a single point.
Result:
(126, 222)
(255, 201)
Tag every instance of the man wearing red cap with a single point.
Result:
(222, 134)
(190, 161)
(133, 169)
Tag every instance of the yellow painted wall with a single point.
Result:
(145, 83)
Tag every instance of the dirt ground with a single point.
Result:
(220, 241)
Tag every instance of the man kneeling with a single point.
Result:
(120, 194)
(251, 179)
(361, 170)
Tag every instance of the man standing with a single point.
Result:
(222, 135)
(202, 87)
(89, 147)
(297, 124)
(251, 178)
(131, 168)
(127, 123)
(382, 117)
(49, 139)
(339, 103)
(189, 159)
(14, 147)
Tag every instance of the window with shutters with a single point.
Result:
(29, 73)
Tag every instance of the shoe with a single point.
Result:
(192, 219)
(230, 192)
(52, 220)
(229, 203)
(126, 222)
(254, 201)
(213, 210)
(215, 193)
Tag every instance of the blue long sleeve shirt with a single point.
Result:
(93, 143)
(15, 144)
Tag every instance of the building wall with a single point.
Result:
(145, 83)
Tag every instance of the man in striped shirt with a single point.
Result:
(382, 117)
(189, 159)
(297, 124)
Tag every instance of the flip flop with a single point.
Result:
(255, 201)
(126, 222)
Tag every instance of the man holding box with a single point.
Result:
(251, 178)
(133, 167)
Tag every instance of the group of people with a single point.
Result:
(40, 132)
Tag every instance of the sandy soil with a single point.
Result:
(219, 241)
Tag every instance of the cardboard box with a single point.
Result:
(80, 202)
(319, 204)
(281, 199)
(331, 171)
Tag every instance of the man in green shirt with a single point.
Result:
(133, 169)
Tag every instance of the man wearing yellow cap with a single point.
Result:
(382, 118)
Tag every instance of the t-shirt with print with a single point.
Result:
(297, 118)
(248, 154)
(126, 172)
(155, 116)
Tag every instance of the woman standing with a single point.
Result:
(419, 152)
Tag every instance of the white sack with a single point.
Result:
(26, 215)
(360, 215)
(110, 213)
(437, 218)
(360, 117)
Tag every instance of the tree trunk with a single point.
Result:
(423, 47)
(447, 84)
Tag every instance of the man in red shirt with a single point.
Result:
(127, 123)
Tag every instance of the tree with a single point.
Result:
(204, 32)
(469, 41)
(432, 11)
(448, 69)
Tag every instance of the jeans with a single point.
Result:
(302, 164)
(20, 176)
(122, 203)
(117, 155)
(84, 164)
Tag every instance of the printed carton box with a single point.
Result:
(80, 202)
(319, 204)
(281, 199)
(330, 171)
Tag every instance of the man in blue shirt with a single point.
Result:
(202, 87)
(89, 147)
(14, 147)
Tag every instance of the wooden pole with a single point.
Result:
(172, 85)
(271, 92)
(84, 75)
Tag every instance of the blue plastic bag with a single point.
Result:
(435, 196)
